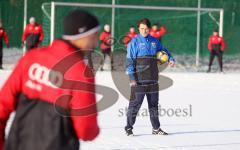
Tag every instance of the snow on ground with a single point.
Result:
(207, 115)
(211, 103)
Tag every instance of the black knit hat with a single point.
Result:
(78, 24)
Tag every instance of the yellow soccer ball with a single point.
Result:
(162, 57)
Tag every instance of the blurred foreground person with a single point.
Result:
(48, 89)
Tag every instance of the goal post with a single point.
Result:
(52, 31)
(113, 7)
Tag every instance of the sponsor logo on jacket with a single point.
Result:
(40, 75)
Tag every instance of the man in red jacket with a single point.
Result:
(216, 46)
(33, 34)
(53, 93)
(105, 46)
(3, 36)
(158, 33)
(129, 36)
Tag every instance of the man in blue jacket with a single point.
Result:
(143, 73)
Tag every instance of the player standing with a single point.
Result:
(154, 32)
(3, 36)
(158, 33)
(33, 34)
(216, 46)
(105, 39)
(143, 73)
(31, 92)
(129, 36)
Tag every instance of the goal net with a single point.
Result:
(186, 33)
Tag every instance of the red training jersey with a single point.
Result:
(31, 78)
(216, 43)
(158, 33)
(3, 34)
(129, 36)
(162, 31)
(105, 39)
(35, 29)
(155, 33)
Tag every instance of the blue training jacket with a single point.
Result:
(142, 47)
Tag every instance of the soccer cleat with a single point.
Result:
(159, 131)
(129, 132)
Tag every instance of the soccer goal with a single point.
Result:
(188, 27)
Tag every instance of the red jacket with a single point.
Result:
(35, 29)
(158, 33)
(3, 34)
(129, 36)
(215, 43)
(105, 40)
(162, 31)
(155, 33)
(30, 83)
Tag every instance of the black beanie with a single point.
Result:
(78, 24)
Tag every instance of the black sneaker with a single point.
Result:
(159, 132)
(129, 132)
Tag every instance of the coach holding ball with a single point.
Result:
(143, 73)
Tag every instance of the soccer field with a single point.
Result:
(200, 112)
(62, 41)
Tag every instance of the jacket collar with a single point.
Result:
(63, 47)
(145, 39)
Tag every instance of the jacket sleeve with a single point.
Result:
(25, 34)
(162, 48)
(131, 60)
(126, 39)
(41, 34)
(8, 99)
(102, 37)
(223, 45)
(84, 114)
(162, 31)
(6, 39)
(210, 44)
